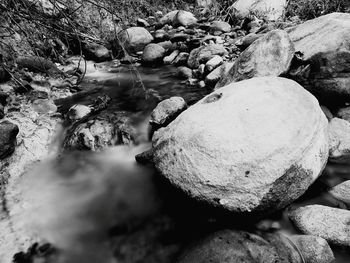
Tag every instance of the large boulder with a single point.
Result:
(271, 10)
(252, 146)
(134, 39)
(329, 223)
(325, 45)
(204, 53)
(270, 55)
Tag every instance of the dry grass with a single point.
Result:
(309, 9)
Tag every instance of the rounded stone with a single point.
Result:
(184, 18)
(252, 146)
(134, 39)
(268, 56)
(153, 53)
(330, 223)
(220, 26)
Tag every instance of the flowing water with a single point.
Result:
(81, 197)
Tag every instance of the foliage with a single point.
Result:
(309, 9)
(35, 26)
(222, 10)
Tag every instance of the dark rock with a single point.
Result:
(127, 59)
(2, 113)
(35, 253)
(204, 26)
(99, 132)
(169, 59)
(8, 134)
(3, 98)
(324, 44)
(145, 157)
(23, 87)
(37, 64)
(184, 72)
(142, 22)
(96, 52)
(179, 37)
(327, 112)
(183, 47)
(161, 35)
(4, 75)
(37, 94)
(228, 246)
(194, 43)
(190, 31)
(181, 59)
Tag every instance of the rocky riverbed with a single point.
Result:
(201, 141)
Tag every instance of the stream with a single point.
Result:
(84, 194)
